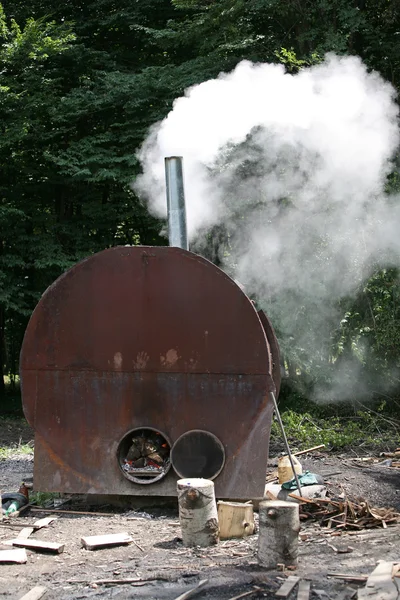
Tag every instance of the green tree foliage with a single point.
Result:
(81, 82)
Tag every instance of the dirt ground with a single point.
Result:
(163, 567)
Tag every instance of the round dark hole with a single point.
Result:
(198, 454)
(144, 455)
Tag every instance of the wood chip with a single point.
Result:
(39, 545)
(92, 542)
(35, 593)
(287, 587)
(304, 590)
(13, 556)
(193, 591)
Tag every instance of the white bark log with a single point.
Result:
(198, 512)
(278, 536)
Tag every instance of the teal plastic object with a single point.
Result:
(306, 478)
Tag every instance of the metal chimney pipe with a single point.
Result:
(177, 230)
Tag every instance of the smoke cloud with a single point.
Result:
(292, 169)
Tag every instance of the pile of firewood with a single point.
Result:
(346, 513)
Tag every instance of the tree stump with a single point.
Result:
(198, 512)
(278, 535)
(236, 520)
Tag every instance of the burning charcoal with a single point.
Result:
(139, 463)
(133, 453)
(156, 458)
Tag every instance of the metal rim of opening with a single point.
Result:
(126, 443)
(198, 453)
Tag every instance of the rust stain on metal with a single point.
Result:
(146, 337)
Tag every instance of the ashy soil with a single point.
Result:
(159, 562)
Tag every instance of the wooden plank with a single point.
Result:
(304, 590)
(92, 542)
(379, 584)
(348, 577)
(39, 545)
(35, 593)
(287, 587)
(71, 512)
(43, 522)
(13, 556)
(25, 533)
(347, 594)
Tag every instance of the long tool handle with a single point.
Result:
(278, 416)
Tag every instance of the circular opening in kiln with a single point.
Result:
(198, 453)
(144, 455)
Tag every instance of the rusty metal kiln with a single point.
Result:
(141, 365)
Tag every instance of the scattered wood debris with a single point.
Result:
(345, 513)
(93, 542)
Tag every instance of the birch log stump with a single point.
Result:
(198, 512)
(278, 535)
(236, 520)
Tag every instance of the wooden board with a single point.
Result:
(25, 533)
(44, 522)
(287, 587)
(39, 545)
(304, 590)
(92, 542)
(35, 593)
(13, 556)
(379, 584)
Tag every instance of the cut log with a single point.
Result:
(39, 545)
(379, 584)
(279, 531)
(197, 512)
(35, 593)
(287, 587)
(236, 520)
(93, 542)
(13, 556)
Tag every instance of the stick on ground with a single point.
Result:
(193, 591)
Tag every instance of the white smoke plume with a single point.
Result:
(294, 167)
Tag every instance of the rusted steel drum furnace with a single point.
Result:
(141, 365)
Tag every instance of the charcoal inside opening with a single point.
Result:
(144, 456)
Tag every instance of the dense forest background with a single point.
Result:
(81, 82)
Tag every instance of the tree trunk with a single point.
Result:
(278, 536)
(197, 512)
(2, 351)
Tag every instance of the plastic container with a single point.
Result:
(285, 471)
